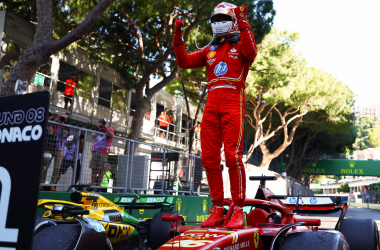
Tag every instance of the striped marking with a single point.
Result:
(237, 146)
(235, 235)
(228, 78)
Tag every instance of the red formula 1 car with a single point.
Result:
(270, 224)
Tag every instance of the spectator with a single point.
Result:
(197, 134)
(69, 90)
(106, 178)
(50, 143)
(61, 136)
(163, 123)
(69, 157)
(100, 150)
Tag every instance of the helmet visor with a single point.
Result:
(221, 18)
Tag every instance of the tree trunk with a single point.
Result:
(267, 156)
(29, 61)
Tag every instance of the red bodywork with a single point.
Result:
(258, 233)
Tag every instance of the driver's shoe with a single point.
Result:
(215, 218)
(237, 219)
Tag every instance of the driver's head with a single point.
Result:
(223, 20)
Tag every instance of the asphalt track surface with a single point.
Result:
(330, 220)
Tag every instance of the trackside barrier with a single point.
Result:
(365, 205)
(136, 167)
(295, 188)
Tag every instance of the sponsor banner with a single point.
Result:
(344, 167)
(23, 121)
(146, 199)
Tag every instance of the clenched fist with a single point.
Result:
(179, 25)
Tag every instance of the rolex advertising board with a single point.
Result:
(23, 121)
(344, 167)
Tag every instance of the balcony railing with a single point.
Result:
(119, 117)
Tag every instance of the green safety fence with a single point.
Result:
(193, 208)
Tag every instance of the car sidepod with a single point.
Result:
(319, 240)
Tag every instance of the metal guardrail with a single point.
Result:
(135, 166)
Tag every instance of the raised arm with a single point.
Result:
(193, 60)
(249, 49)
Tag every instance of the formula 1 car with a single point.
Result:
(270, 224)
(90, 221)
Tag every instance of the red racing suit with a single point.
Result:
(227, 65)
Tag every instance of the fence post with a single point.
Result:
(84, 146)
(163, 173)
(130, 168)
(111, 114)
(192, 174)
(76, 157)
(127, 167)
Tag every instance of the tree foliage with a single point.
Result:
(374, 137)
(344, 188)
(365, 126)
(282, 90)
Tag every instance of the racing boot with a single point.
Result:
(237, 219)
(215, 218)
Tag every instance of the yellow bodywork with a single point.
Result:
(100, 208)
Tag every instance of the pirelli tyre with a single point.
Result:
(319, 240)
(58, 237)
(360, 233)
(43, 223)
(78, 236)
(158, 231)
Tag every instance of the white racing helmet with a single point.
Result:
(225, 27)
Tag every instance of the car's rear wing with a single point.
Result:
(165, 203)
(317, 204)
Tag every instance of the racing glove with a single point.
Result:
(179, 26)
(241, 14)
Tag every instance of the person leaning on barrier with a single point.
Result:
(61, 136)
(163, 123)
(69, 90)
(100, 150)
(69, 157)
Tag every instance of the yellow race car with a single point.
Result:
(91, 221)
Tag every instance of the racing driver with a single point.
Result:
(227, 59)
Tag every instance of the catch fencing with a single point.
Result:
(69, 159)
